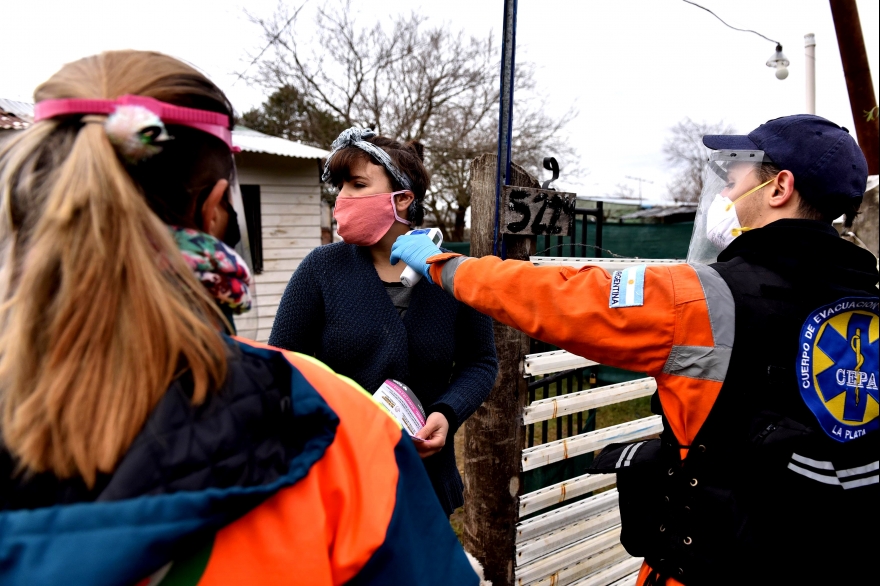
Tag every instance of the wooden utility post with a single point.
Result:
(495, 435)
(862, 100)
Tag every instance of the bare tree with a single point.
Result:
(623, 191)
(413, 81)
(684, 150)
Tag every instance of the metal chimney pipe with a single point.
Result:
(810, 77)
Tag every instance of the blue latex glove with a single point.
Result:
(414, 250)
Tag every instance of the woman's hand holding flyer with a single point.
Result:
(433, 435)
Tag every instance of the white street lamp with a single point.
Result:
(780, 62)
(777, 59)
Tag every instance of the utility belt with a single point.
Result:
(749, 512)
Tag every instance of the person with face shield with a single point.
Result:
(765, 352)
(345, 303)
(140, 443)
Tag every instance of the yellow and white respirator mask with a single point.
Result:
(728, 177)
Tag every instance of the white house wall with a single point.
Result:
(290, 197)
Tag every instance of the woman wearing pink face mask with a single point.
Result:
(346, 306)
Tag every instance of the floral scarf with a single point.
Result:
(219, 268)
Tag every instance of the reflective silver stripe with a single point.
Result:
(825, 479)
(632, 453)
(720, 302)
(821, 464)
(834, 476)
(708, 362)
(623, 455)
(861, 482)
(859, 470)
(447, 276)
(700, 362)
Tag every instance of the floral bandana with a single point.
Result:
(355, 137)
(219, 268)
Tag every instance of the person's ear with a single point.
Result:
(212, 209)
(402, 201)
(783, 187)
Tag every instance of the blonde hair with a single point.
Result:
(99, 311)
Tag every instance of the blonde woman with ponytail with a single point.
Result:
(140, 443)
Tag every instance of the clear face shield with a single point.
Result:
(245, 323)
(243, 246)
(728, 176)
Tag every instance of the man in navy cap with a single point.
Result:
(765, 347)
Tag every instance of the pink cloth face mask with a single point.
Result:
(363, 221)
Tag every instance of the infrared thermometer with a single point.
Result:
(409, 277)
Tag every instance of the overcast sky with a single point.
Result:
(632, 68)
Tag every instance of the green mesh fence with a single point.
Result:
(628, 240)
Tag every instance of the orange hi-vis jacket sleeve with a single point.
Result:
(670, 335)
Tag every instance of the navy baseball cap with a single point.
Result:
(828, 166)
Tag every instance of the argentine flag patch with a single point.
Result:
(628, 287)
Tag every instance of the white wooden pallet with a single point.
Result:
(544, 454)
(575, 561)
(553, 361)
(609, 264)
(557, 518)
(577, 544)
(533, 549)
(561, 492)
(578, 401)
(628, 568)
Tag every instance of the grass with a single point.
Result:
(623, 412)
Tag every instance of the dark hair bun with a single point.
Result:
(419, 149)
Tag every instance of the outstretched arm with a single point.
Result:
(674, 322)
(585, 310)
(631, 319)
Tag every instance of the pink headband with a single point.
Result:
(213, 123)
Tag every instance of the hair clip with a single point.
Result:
(135, 132)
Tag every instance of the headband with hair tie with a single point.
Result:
(136, 124)
(136, 133)
(354, 137)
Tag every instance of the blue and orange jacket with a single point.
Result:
(289, 475)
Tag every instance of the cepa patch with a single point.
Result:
(628, 287)
(837, 367)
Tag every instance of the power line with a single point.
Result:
(744, 30)
(271, 42)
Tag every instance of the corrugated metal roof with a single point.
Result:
(625, 201)
(252, 141)
(22, 110)
(12, 122)
(662, 212)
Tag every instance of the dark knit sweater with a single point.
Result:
(336, 309)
